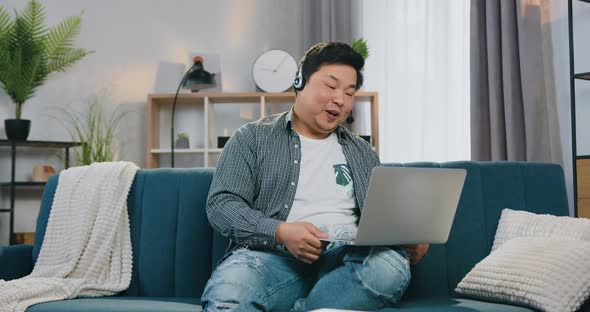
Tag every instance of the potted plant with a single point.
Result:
(182, 140)
(95, 129)
(29, 52)
(360, 46)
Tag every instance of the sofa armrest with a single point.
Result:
(15, 261)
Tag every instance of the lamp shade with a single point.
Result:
(197, 77)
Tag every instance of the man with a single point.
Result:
(286, 181)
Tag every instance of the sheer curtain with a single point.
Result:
(419, 64)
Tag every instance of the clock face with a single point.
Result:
(274, 71)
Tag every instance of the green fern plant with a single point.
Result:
(30, 51)
(360, 46)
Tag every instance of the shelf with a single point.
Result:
(238, 97)
(279, 98)
(49, 144)
(207, 107)
(178, 150)
(5, 184)
(186, 150)
(13, 146)
(583, 156)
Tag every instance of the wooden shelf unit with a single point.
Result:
(157, 104)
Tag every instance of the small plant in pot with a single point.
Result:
(361, 47)
(29, 52)
(182, 140)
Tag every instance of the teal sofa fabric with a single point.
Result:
(175, 249)
(15, 261)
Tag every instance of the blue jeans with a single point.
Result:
(345, 277)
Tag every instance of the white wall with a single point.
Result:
(142, 47)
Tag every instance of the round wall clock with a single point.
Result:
(274, 71)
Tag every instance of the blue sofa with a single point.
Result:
(175, 249)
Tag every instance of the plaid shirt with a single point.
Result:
(257, 174)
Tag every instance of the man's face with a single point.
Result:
(326, 100)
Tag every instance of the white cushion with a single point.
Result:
(515, 224)
(550, 274)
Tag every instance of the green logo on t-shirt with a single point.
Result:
(344, 179)
(343, 175)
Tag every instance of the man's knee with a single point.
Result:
(223, 296)
(383, 272)
(235, 285)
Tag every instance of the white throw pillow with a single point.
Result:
(515, 224)
(550, 274)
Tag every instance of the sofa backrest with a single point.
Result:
(175, 249)
(489, 188)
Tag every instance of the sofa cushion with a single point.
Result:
(551, 274)
(453, 305)
(514, 224)
(170, 233)
(120, 304)
(15, 261)
(147, 304)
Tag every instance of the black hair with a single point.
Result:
(328, 53)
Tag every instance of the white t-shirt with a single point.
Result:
(325, 191)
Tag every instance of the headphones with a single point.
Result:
(299, 82)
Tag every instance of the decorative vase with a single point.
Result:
(17, 129)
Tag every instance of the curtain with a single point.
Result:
(514, 104)
(326, 20)
(419, 64)
(512, 117)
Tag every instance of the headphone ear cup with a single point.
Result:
(299, 81)
(350, 119)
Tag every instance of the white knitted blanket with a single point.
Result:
(87, 247)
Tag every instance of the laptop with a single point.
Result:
(408, 205)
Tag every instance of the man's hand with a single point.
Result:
(416, 251)
(301, 239)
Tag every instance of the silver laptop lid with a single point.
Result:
(410, 205)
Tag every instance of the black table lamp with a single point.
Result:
(196, 78)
